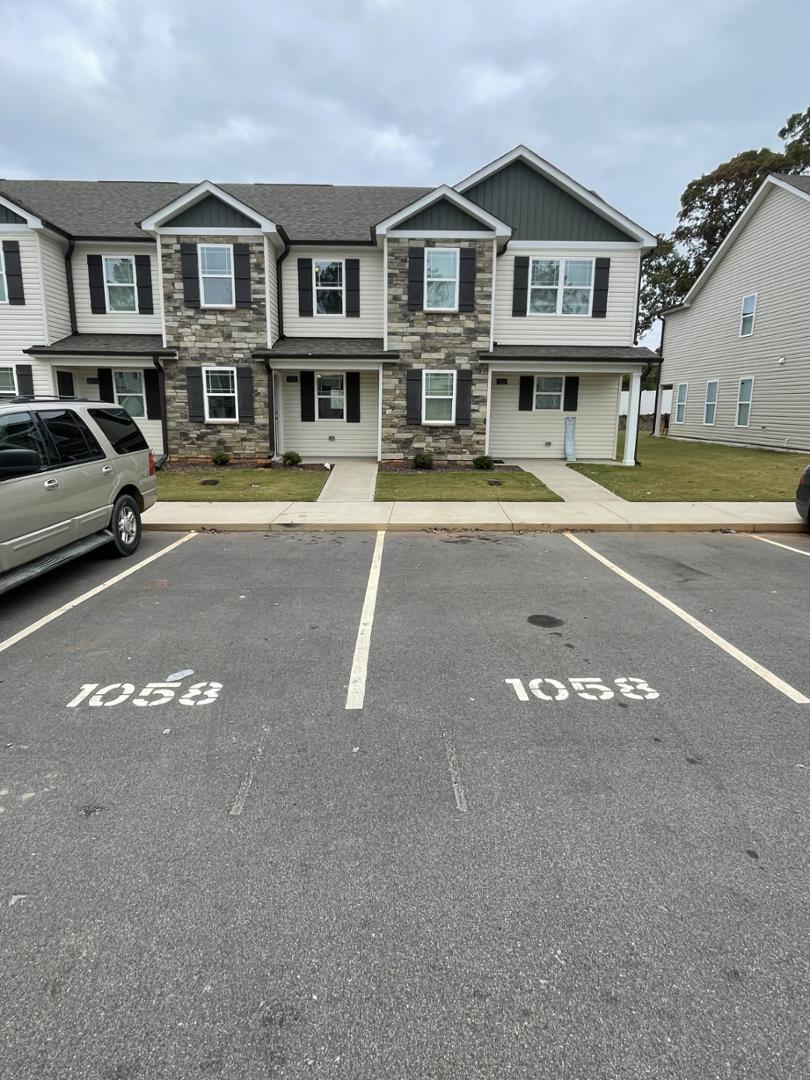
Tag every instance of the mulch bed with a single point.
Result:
(451, 467)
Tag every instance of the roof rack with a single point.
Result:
(22, 399)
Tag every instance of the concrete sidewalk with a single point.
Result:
(609, 516)
(350, 480)
(567, 483)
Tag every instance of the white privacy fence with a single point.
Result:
(647, 402)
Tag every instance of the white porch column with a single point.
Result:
(632, 419)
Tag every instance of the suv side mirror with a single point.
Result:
(19, 463)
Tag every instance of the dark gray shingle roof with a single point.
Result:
(299, 348)
(800, 182)
(571, 352)
(103, 345)
(112, 208)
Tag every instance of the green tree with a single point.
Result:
(709, 207)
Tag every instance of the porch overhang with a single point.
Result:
(569, 354)
(80, 348)
(320, 349)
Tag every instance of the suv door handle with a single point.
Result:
(49, 485)
(107, 469)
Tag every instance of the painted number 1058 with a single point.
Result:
(588, 687)
(154, 693)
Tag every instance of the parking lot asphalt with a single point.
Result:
(564, 835)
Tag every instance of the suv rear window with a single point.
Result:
(123, 433)
(73, 439)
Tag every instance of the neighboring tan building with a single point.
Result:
(736, 353)
(334, 321)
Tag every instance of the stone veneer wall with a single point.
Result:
(429, 339)
(210, 336)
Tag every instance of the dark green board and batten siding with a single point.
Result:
(212, 213)
(8, 217)
(445, 217)
(539, 210)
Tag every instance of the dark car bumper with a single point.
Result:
(803, 498)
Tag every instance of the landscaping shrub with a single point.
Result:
(484, 462)
(423, 460)
(290, 458)
(221, 457)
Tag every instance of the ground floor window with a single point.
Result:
(744, 396)
(219, 395)
(331, 397)
(8, 384)
(439, 397)
(548, 392)
(129, 393)
(680, 402)
(710, 405)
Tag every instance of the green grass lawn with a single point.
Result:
(462, 486)
(675, 471)
(240, 485)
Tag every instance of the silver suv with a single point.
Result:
(74, 475)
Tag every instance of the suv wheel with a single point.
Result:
(126, 525)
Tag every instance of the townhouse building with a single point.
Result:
(333, 321)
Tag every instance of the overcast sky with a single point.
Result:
(632, 97)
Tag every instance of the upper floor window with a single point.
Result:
(119, 283)
(219, 395)
(560, 286)
(439, 397)
(747, 312)
(328, 286)
(3, 286)
(216, 275)
(441, 279)
(129, 394)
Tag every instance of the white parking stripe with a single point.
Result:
(742, 658)
(776, 543)
(455, 775)
(34, 626)
(238, 804)
(357, 681)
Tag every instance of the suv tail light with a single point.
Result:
(151, 469)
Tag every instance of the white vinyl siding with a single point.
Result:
(55, 282)
(23, 325)
(311, 438)
(118, 322)
(369, 324)
(272, 292)
(617, 328)
(516, 434)
(770, 257)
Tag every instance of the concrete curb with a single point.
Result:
(492, 526)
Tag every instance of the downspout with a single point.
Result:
(280, 301)
(271, 408)
(658, 380)
(162, 391)
(69, 278)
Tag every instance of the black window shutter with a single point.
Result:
(416, 288)
(14, 279)
(307, 391)
(194, 389)
(413, 397)
(189, 269)
(95, 278)
(526, 398)
(571, 395)
(105, 384)
(64, 384)
(305, 288)
(520, 285)
(353, 288)
(463, 398)
(241, 277)
(25, 380)
(151, 387)
(601, 278)
(466, 280)
(143, 281)
(244, 393)
(352, 397)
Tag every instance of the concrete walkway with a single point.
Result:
(567, 483)
(352, 480)
(610, 516)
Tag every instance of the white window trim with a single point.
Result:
(15, 388)
(234, 395)
(119, 258)
(675, 419)
(330, 288)
(560, 289)
(442, 397)
(425, 307)
(749, 403)
(5, 280)
(706, 402)
(753, 314)
(330, 419)
(535, 392)
(138, 371)
(200, 275)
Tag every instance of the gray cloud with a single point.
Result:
(634, 99)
